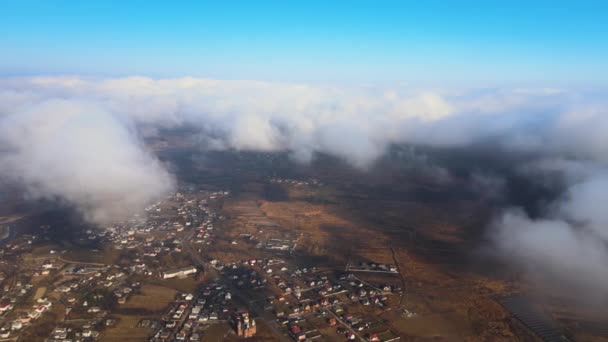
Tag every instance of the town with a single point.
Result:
(170, 267)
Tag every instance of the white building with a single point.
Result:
(182, 272)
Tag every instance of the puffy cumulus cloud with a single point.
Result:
(81, 154)
(582, 132)
(583, 204)
(554, 251)
(568, 244)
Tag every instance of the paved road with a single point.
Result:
(346, 326)
(404, 291)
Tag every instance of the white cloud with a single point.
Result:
(73, 138)
(79, 153)
(569, 243)
(554, 251)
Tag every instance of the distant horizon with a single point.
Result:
(420, 85)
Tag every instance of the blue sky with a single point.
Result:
(470, 42)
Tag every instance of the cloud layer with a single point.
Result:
(354, 122)
(76, 139)
(79, 153)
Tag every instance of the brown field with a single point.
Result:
(126, 330)
(219, 333)
(39, 292)
(106, 256)
(429, 243)
(152, 298)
